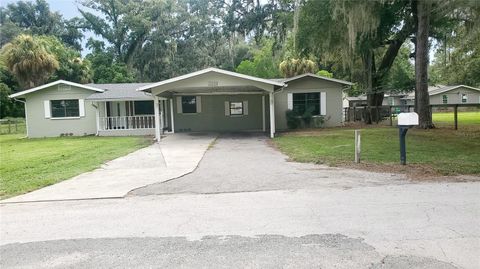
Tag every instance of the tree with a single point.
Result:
(29, 61)
(293, 67)
(325, 73)
(35, 18)
(422, 101)
(370, 32)
(105, 69)
(263, 64)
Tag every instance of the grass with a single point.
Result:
(464, 118)
(29, 164)
(11, 127)
(444, 151)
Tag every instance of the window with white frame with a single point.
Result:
(189, 104)
(236, 108)
(464, 98)
(445, 99)
(303, 102)
(65, 108)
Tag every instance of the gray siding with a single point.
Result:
(334, 100)
(455, 96)
(39, 126)
(213, 118)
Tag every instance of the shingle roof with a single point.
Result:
(120, 91)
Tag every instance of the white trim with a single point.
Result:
(290, 100)
(81, 107)
(263, 113)
(53, 84)
(215, 93)
(207, 70)
(323, 103)
(156, 110)
(171, 115)
(47, 109)
(97, 117)
(65, 118)
(272, 115)
(319, 77)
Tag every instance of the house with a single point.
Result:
(390, 99)
(207, 100)
(456, 94)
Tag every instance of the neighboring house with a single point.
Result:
(457, 94)
(390, 99)
(207, 100)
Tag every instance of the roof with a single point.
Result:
(208, 70)
(449, 88)
(319, 77)
(87, 87)
(120, 91)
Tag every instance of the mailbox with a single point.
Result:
(405, 121)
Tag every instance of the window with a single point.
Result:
(391, 101)
(189, 104)
(236, 108)
(65, 108)
(303, 102)
(445, 99)
(464, 98)
(143, 107)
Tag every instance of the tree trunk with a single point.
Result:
(422, 99)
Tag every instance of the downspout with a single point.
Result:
(25, 108)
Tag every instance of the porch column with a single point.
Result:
(272, 115)
(263, 113)
(157, 117)
(97, 115)
(162, 112)
(171, 115)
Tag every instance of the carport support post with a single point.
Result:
(272, 115)
(156, 110)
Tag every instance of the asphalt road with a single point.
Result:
(314, 217)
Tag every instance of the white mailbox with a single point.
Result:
(410, 118)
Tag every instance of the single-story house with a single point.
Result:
(456, 94)
(207, 100)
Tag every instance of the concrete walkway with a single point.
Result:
(175, 156)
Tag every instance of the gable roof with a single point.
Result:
(22, 93)
(120, 91)
(449, 88)
(319, 77)
(208, 70)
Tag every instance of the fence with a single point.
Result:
(12, 126)
(443, 114)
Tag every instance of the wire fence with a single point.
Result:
(12, 126)
(444, 115)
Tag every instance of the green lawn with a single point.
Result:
(464, 118)
(29, 164)
(445, 151)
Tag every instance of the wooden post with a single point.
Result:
(9, 126)
(455, 116)
(354, 114)
(391, 117)
(357, 146)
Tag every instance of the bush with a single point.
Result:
(293, 121)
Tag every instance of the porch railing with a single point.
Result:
(127, 122)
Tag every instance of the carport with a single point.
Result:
(214, 100)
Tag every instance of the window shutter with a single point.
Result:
(227, 108)
(179, 104)
(199, 103)
(290, 101)
(323, 103)
(245, 107)
(81, 107)
(46, 106)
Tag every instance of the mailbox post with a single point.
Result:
(405, 122)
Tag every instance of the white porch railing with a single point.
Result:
(127, 122)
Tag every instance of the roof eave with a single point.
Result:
(22, 93)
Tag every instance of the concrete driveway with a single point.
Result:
(175, 156)
(247, 162)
